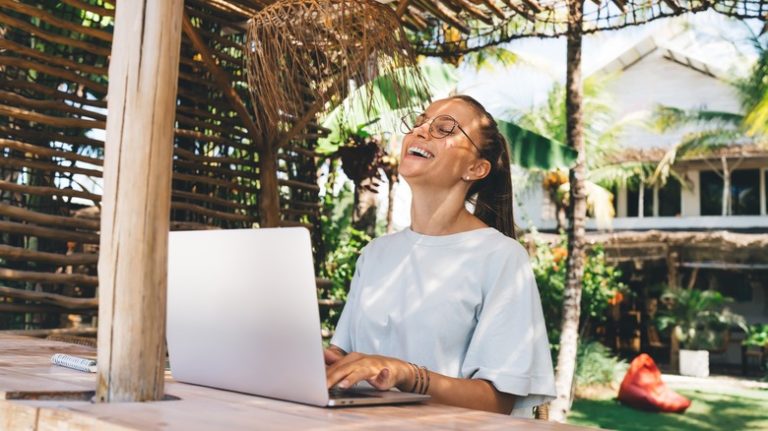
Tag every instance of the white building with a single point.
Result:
(651, 74)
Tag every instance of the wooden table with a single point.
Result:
(31, 390)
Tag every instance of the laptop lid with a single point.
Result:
(243, 315)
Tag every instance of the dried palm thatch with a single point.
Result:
(302, 52)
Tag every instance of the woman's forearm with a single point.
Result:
(345, 370)
(469, 393)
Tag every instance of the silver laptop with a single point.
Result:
(243, 316)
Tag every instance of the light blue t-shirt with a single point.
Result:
(463, 305)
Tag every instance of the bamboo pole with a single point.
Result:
(48, 277)
(222, 80)
(50, 298)
(22, 254)
(143, 79)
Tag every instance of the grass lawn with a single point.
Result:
(712, 409)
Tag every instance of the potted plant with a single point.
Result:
(700, 322)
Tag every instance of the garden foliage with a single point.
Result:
(699, 318)
(597, 366)
(601, 286)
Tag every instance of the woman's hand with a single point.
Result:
(381, 372)
(332, 354)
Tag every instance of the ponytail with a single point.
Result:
(492, 195)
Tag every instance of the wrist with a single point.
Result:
(405, 376)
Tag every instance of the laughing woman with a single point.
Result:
(449, 306)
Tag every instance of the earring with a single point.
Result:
(465, 178)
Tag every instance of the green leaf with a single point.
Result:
(531, 150)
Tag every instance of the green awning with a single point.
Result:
(531, 150)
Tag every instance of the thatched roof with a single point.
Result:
(453, 27)
(706, 249)
(656, 154)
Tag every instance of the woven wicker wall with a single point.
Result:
(54, 59)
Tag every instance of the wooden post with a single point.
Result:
(673, 279)
(269, 191)
(143, 77)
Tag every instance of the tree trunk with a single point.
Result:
(364, 215)
(577, 211)
(135, 216)
(726, 205)
(674, 351)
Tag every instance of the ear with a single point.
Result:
(479, 169)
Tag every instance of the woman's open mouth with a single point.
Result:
(420, 152)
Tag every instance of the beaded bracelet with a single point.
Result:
(416, 379)
(427, 378)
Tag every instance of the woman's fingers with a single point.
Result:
(331, 356)
(354, 367)
(357, 375)
(383, 380)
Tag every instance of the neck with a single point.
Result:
(441, 212)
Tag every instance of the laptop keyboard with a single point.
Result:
(336, 393)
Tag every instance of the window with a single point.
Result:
(710, 193)
(745, 195)
(745, 192)
(670, 199)
(632, 202)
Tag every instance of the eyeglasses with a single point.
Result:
(439, 127)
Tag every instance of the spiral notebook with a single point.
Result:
(74, 362)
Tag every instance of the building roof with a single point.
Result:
(653, 43)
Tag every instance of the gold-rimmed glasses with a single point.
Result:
(439, 127)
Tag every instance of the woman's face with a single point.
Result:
(444, 161)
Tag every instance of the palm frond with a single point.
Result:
(667, 118)
(622, 174)
(492, 57)
(757, 118)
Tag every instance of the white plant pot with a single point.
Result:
(694, 363)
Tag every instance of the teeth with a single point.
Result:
(420, 152)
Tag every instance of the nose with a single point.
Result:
(422, 131)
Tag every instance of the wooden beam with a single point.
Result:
(48, 277)
(621, 4)
(46, 232)
(519, 11)
(269, 193)
(495, 9)
(135, 216)
(23, 254)
(223, 81)
(533, 5)
(63, 301)
(674, 6)
(48, 191)
(402, 7)
(18, 213)
(475, 11)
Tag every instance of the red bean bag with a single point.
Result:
(643, 389)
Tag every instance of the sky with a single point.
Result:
(712, 38)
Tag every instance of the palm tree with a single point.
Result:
(715, 130)
(601, 134)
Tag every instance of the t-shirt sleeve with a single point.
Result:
(509, 346)
(342, 337)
